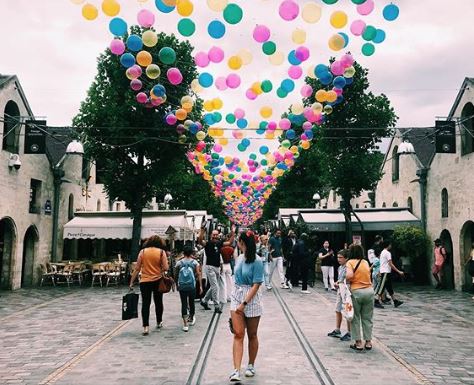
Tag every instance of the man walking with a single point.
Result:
(292, 268)
(214, 266)
(301, 261)
(276, 258)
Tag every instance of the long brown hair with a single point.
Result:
(154, 241)
(250, 247)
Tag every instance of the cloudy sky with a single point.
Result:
(420, 66)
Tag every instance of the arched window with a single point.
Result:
(111, 205)
(118, 207)
(99, 205)
(357, 205)
(11, 128)
(444, 203)
(70, 211)
(395, 164)
(410, 204)
(467, 129)
(395, 204)
(384, 204)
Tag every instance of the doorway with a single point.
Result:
(7, 251)
(467, 240)
(29, 253)
(448, 268)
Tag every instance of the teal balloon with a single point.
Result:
(162, 7)
(358, 2)
(167, 55)
(368, 49)
(134, 43)
(330, 2)
(230, 118)
(233, 14)
(118, 26)
(216, 29)
(281, 93)
(369, 33)
(263, 150)
(217, 117)
(241, 147)
(391, 12)
(345, 37)
(269, 48)
(266, 86)
(253, 156)
(186, 27)
(379, 36)
(288, 85)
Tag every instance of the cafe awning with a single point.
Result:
(118, 225)
(372, 219)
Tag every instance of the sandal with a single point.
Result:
(355, 347)
(368, 346)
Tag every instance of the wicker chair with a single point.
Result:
(99, 270)
(113, 273)
(47, 273)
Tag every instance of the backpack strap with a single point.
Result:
(357, 266)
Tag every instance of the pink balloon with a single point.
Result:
(135, 71)
(136, 85)
(289, 10)
(221, 83)
(302, 53)
(307, 126)
(306, 91)
(142, 98)
(337, 68)
(174, 76)
(357, 27)
(304, 137)
(261, 33)
(217, 147)
(308, 113)
(272, 126)
(284, 124)
(233, 81)
(239, 113)
(171, 119)
(295, 72)
(146, 18)
(338, 91)
(117, 47)
(200, 146)
(216, 54)
(347, 60)
(250, 94)
(366, 8)
(201, 59)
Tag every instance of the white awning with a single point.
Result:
(372, 219)
(113, 225)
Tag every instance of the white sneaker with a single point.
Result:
(290, 286)
(305, 292)
(192, 321)
(235, 376)
(185, 328)
(269, 288)
(160, 325)
(284, 286)
(250, 371)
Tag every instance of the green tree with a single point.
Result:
(133, 145)
(347, 144)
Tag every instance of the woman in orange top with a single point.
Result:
(153, 263)
(358, 274)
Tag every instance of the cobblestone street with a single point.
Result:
(75, 336)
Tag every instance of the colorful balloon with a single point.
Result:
(311, 12)
(186, 27)
(118, 26)
(261, 33)
(146, 18)
(233, 14)
(216, 29)
(289, 10)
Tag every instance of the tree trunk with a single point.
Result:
(136, 233)
(346, 210)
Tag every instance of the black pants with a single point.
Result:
(385, 283)
(295, 272)
(147, 288)
(304, 268)
(187, 301)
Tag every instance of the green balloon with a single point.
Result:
(217, 117)
(358, 2)
(186, 27)
(368, 49)
(330, 2)
(369, 33)
(264, 162)
(253, 156)
(167, 55)
(233, 13)
(282, 93)
(266, 86)
(269, 48)
(230, 118)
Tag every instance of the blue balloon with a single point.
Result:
(216, 29)
(309, 134)
(290, 134)
(391, 12)
(263, 125)
(206, 80)
(326, 79)
(345, 37)
(193, 128)
(293, 59)
(127, 60)
(288, 85)
(118, 26)
(162, 7)
(159, 90)
(379, 36)
(263, 150)
(209, 118)
(245, 142)
(242, 123)
(320, 70)
(349, 81)
(339, 82)
(134, 43)
(260, 131)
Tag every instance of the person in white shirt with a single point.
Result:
(385, 280)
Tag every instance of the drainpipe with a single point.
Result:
(58, 174)
(422, 174)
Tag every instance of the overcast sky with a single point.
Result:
(420, 66)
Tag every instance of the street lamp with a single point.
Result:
(73, 148)
(316, 199)
(167, 200)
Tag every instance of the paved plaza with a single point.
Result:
(76, 337)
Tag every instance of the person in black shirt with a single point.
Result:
(326, 255)
(301, 263)
(214, 265)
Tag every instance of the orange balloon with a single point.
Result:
(144, 58)
(181, 114)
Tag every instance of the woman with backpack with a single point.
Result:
(186, 270)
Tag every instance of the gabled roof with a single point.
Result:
(423, 140)
(7, 79)
(467, 83)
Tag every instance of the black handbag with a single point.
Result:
(130, 306)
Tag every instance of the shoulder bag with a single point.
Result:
(346, 295)
(165, 283)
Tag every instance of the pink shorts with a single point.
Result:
(437, 269)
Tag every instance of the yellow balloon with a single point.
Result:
(89, 11)
(278, 132)
(257, 88)
(277, 58)
(217, 103)
(224, 142)
(170, 3)
(227, 159)
(269, 135)
(311, 12)
(331, 96)
(208, 105)
(235, 62)
(110, 7)
(298, 36)
(310, 72)
(294, 149)
(187, 107)
(217, 5)
(328, 110)
(336, 42)
(196, 87)
(153, 71)
(349, 72)
(200, 135)
(245, 55)
(144, 58)
(187, 99)
(266, 112)
(149, 38)
(338, 19)
(297, 108)
(317, 107)
(305, 144)
(77, 2)
(184, 7)
(320, 96)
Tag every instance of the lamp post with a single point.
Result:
(167, 200)
(74, 147)
(316, 199)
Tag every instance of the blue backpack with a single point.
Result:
(186, 279)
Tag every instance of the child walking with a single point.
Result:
(186, 271)
(341, 276)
